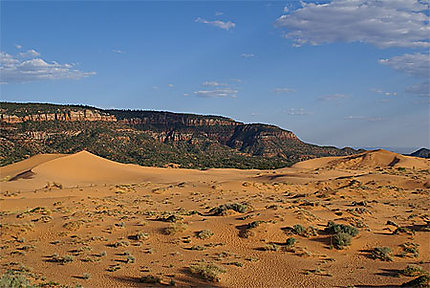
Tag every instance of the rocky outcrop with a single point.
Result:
(81, 115)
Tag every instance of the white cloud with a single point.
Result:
(17, 46)
(170, 85)
(298, 112)
(364, 118)
(118, 51)
(286, 9)
(383, 23)
(383, 92)
(283, 90)
(247, 55)
(29, 54)
(417, 65)
(414, 64)
(14, 69)
(332, 97)
(217, 23)
(219, 13)
(213, 84)
(217, 93)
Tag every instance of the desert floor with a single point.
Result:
(80, 219)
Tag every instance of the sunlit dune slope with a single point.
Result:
(366, 160)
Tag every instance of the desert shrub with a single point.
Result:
(150, 279)
(253, 224)
(403, 230)
(86, 276)
(291, 242)
(10, 280)
(341, 240)
(422, 281)
(412, 270)
(171, 218)
(204, 234)
(223, 209)
(382, 253)
(73, 225)
(139, 236)
(410, 250)
(175, 228)
(302, 231)
(62, 260)
(207, 271)
(333, 228)
(271, 247)
(246, 233)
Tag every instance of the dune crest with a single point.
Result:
(86, 167)
(366, 160)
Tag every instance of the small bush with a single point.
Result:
(139, 236)
(9, 280)
(150, 279)
(412, 270)
(410, 250)
(403, 230)
(291, 242)
(422, 281)
(204, 234)
(341, 240)
(333, 228)
(222, 210)
(304, 232)
(175, 228)
(271, 247)
(382, 253)
(208, 272)
(86, 276)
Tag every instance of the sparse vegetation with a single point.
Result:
(175, 228)
(223, 209)
(204, 234)
(207, 271)
(382, 253)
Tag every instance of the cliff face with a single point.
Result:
(132, 136)
(83, 115)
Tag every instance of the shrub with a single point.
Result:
(382, 253)
(298, 229)
(175, 228)
(304, 232)
(271, 247)
(208, 271)
(412, 270)
(86, 276)
(10, 280)
(341, 240)
(410, 249)
(204, 234)
(333, 228)
(422, 281)
(150, 279)
(139, 236)
(291, 242)
(222, 210)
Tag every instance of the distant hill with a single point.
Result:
(150, 138)
(422, 153)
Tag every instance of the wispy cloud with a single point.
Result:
(15, 69)
(18, 46)
(170, 85)
(217, 93)
(383, 23)
(333, 97)
(219, 13)
(213, 84)
(283, 90)
(226, 25)
(364, 118)
(416, 65)
(298, 112)
(247, 55)
(29, 54)
(383, 92)
(117, 51)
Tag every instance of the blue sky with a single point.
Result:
(344, 73)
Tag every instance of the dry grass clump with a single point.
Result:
(341, 234)
(204, 234)
(175, 228)
(73, 225)
(223, 209)
(150, 279)
(382, 253)
(410, 250)
(62, 260)
(271, 247)
(139, 236)
(207, 271)
(413, 270)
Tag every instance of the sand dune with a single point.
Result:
(366, 160)
(14, 169)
